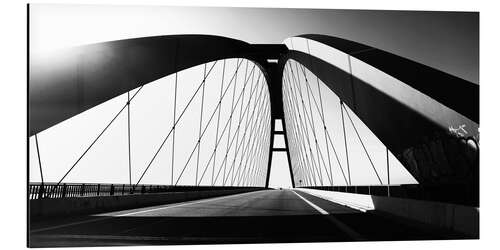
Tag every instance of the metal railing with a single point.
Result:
(456, 193)
(69, 190)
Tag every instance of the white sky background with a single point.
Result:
(448, 40)
(58, 26)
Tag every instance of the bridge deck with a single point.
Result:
(255, 217)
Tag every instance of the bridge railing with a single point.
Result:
(456, 193)
(68, 190)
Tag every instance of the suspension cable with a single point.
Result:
(305, 130)
(39, 161)
(218, 117)
(218, 140)
(201, 122)
(206, 127)
(178, 119)
(95, 140)
(366, 151)
(325, 128)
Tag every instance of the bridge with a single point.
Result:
(175, 139)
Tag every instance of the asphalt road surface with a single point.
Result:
(257, 217)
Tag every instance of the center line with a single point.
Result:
(311, 204)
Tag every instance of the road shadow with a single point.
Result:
(151, 230)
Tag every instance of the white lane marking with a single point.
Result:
(311, 204)
(359, 202)
(142, 211)
(343, 227)
(177, 205)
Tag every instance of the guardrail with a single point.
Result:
(449, 193)
(67, 190)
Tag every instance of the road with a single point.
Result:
(256, 217)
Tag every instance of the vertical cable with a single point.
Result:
(261, 132)
(362, 144)
(313, 126)
(217, 141)
(306, 118)
(175, 109)
(93, 142)
(243, 145)
(218, 119)
(201, 122)
(90, 146)
(323, 118)
(173, 131)
(255, 171)
(128, 132)
(241, 111)
(298, 150)
(254, 130)
(224, 130)
(294, 154)
(305, 130)
(206, 127)
(345, 143)
(293, 110)
(246, 145)
(336, 157)
(256, 102)
(327, 137)
(388, 176)
(261, 157)
(39, 161)
(230, 124)
(170, 132)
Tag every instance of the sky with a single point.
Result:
(448, 41)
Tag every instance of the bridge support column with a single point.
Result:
(274, 79)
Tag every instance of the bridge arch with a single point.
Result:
(391, 95)
(70, 81)
(79, 79)
(414, 110)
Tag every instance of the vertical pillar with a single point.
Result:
(274, 78)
